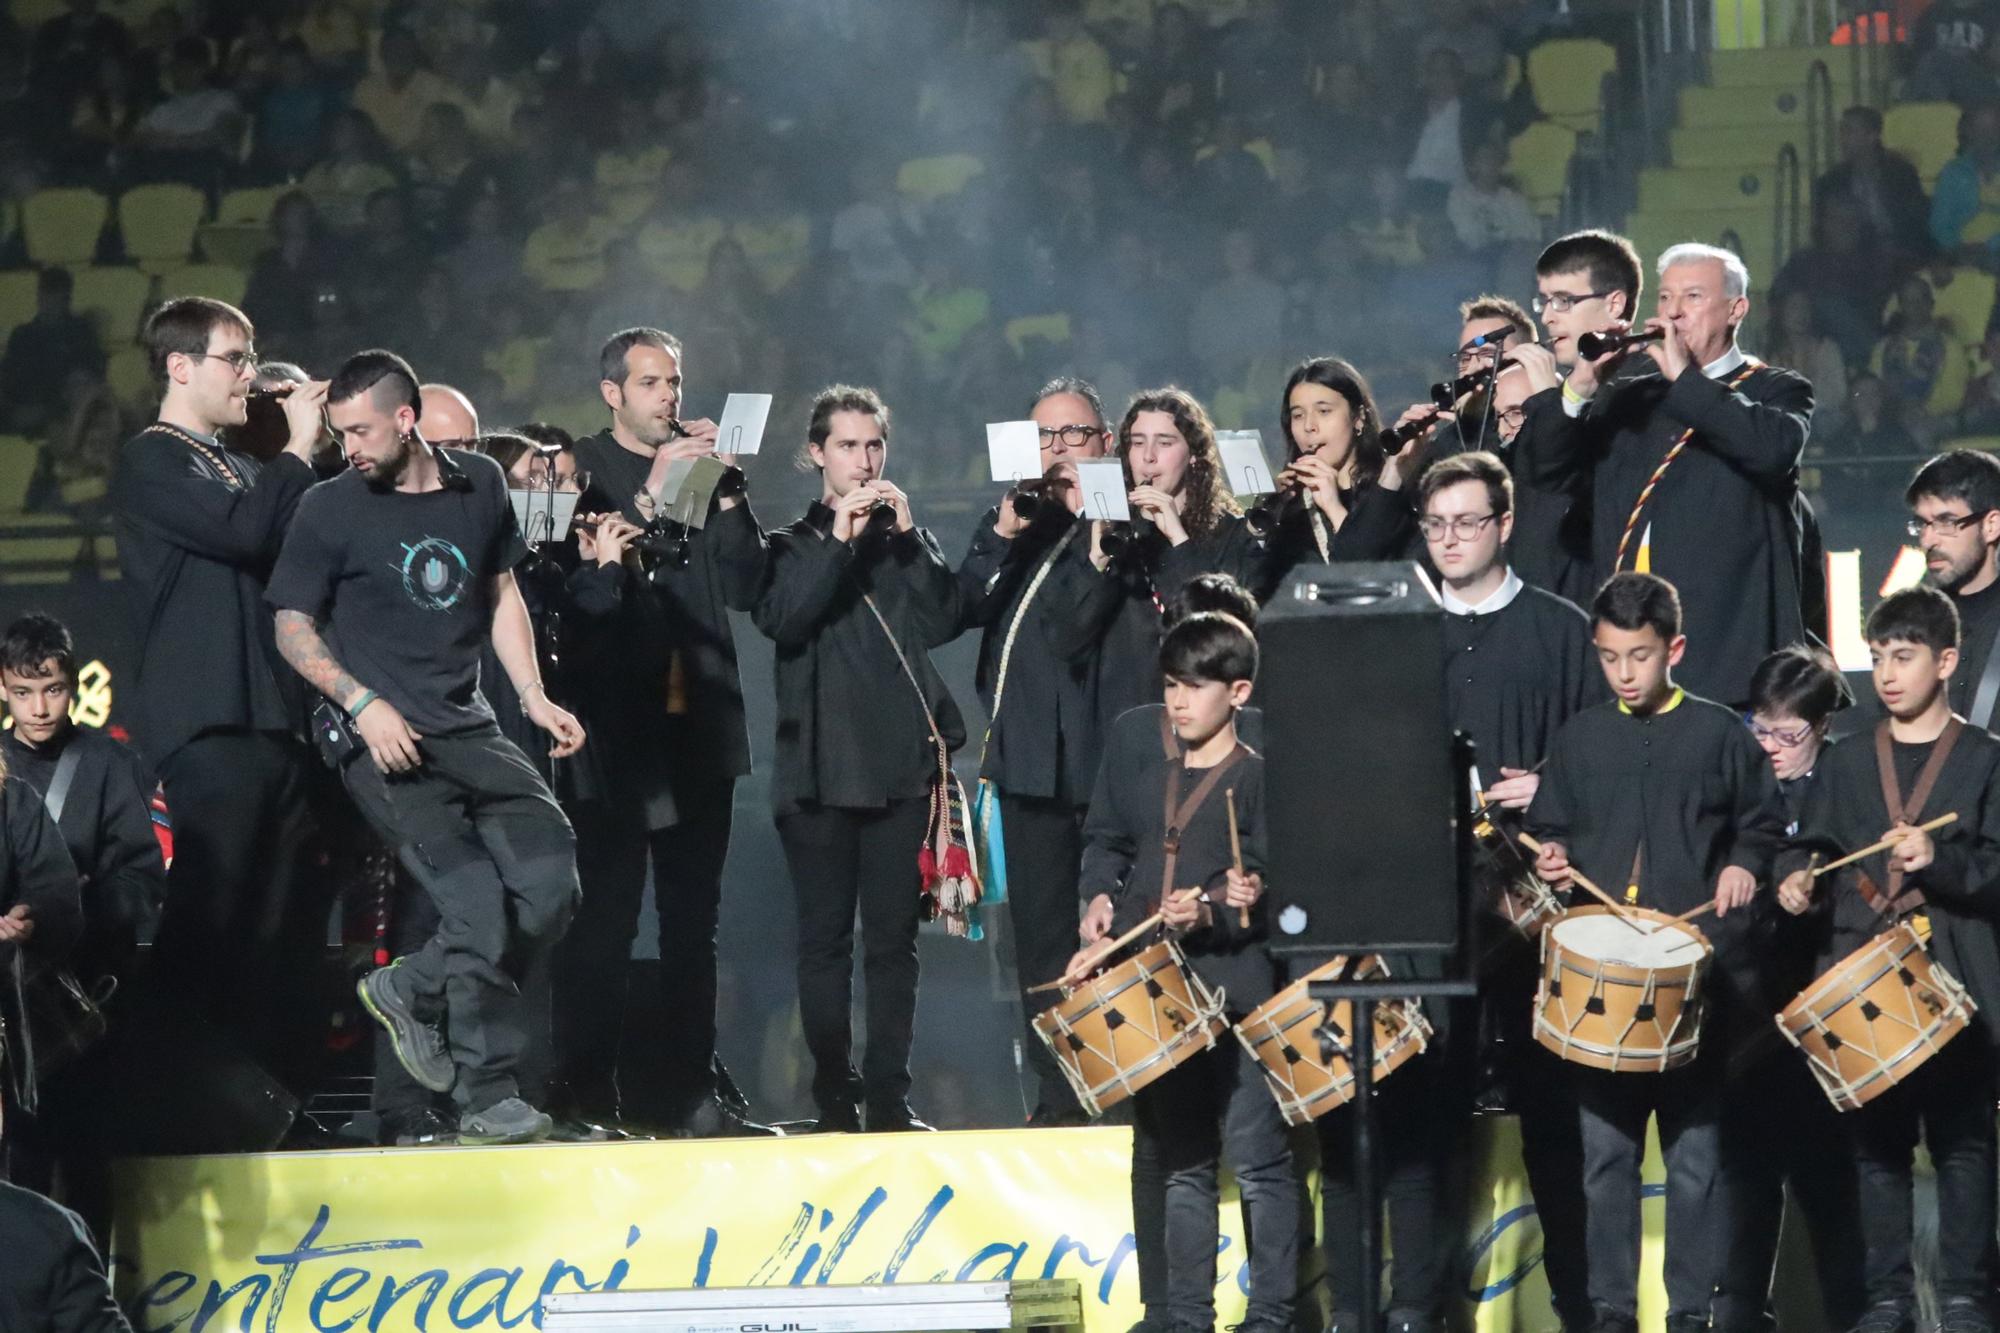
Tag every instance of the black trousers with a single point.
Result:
(843, 861)
(477, 827)
(244, 926)
(1044, 843)
(1215, 1107)
(1949, 1100)
(1614, 1110)
(1418, 1119)
(1779, 1131)
(614, 848)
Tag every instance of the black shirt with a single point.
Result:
(197, 534)
(1124, 851)
(851, 728)
(1978, 626)
(53, 1280)
(405, 584)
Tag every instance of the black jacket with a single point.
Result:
(107, 827)
(52, 1280)
(1725, 527)
(851, 730)
(1380, 525)
(35, 870)
(195, 553)
(1044, 740)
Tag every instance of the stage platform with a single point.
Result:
(471, 1238)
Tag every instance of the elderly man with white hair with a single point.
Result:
(1689, 451)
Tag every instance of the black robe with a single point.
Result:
(35, 871)
(851, 730)
(1514, 676)
(1124, 853)
(1046, 739)
(1843, 811)
(1380, 525)
(1724, 522)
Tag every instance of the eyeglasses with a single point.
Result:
(1513, 417)
(1462, 526)
(1563, 302)
(1787, 739)
(238, 361)
(1945, 524)
(1073, 436)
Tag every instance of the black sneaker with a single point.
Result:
(1410, 1321)
(897, 1119)
(717, 1119)
(836, 1120)
(1888, 1317)
(1058, 1117)
(419, 1046)
(1151, 1324)
(510, 1120)
(1964, 1314)
(419, 1127)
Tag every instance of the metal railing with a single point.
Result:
(1787, 206)
(1819, 119)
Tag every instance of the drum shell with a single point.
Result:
(1917, 1007)
(1107, 1059)
(1593, 1012)
(1282, 1036)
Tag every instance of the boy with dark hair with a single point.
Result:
(1954, 502)
(1216, 1103)
(1920, 762)
(1665, 794)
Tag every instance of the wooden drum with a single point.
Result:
(1618, 996)
(1122, 1029)
(1310, 1077)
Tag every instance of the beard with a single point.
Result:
(387, 474)
(1959, 572)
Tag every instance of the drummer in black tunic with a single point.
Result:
(1518, 664)
(1184, 758)
(1943, 882)
(1666, 796)
(1692, 468)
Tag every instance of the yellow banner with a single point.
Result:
(472, 1238)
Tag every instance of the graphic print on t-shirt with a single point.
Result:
(435, 574)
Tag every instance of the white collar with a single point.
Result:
(1498, 600)
(1726, 363)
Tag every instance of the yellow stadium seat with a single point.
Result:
(17, 299)
(221, 282)
(130, 376)
(1924, 132)
(1052, 329)
(250, 207)
(1965, 302)
(1567, 76)
(926, 179)
(1984, 443)
(62, 225)
(18, 456)
(158, 222)
(1538, 159)
(237, 244)
(115, 296)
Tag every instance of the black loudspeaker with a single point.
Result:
(1362, 776)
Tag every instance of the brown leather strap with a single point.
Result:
(1178, 813)
(1895, 902)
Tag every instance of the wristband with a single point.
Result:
(367, 697)
(1570, 395)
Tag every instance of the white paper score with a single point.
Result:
(1243, 460)
(1015, 450)
(741, 430)
(1103, 485)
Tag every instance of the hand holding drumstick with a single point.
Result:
(1085, 960)
(1244, 890)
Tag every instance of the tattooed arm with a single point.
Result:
(300, 644)
(390, 739)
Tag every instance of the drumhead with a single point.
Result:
(1609, 939)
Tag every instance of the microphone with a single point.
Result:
(1590, 346)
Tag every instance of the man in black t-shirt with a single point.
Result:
(407, 559)
(1955, 516)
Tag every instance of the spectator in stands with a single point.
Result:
(73, 466)
(396, 94)
(53, 1280)
(41, 354)
(869, 233)
(484, 264)
(1384, 227)
(518, 172)
(1847, 286)
(355, 169)
(69, 46)
(593, 80)
(1447, 124)
(1078, 65)
(1965, 211)
(294, 114)
(1874, 431)
(1980, 412)
(566, 253)
(489, 101)
(1174, 87)
(442, 156)
(292, 278)
(336, 34)
(1948, 50)
(104, 115)
(1487, 211)
(1882, 187)
(1238, 317)
(194, 132)
(1917, 359)
(1796, 342)
(1233, 181)
(376, 275)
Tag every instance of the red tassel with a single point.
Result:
(927, 868)
(957, 865)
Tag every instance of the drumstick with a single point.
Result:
(1693, 912)
(1617, 908)
(1885, 844)
(1118, 943)
(1236, 854)
(1486, 797)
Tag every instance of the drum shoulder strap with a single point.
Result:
(1180, 813)
(1901, 810)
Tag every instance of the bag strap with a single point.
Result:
(1007, 645)
(1987, 693)
(60, 783)
(1180, 813)
(937, 737)
(1895, 902)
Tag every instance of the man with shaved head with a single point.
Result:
(450, 420)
